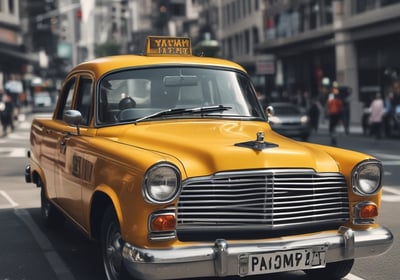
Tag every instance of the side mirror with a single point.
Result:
(270, 111)
(73, 118)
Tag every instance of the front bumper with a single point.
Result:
(28, 178)
(223, 258)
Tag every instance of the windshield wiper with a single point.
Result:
(182, 111)
(208, 109)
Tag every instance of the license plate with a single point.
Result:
(282, 261)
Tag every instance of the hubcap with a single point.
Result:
(113, 252)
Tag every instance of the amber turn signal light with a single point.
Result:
(163, 222)
(368, 211)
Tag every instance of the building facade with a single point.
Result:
(15, 60)
(240, 31)
(316, 42)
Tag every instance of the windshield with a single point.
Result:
(286, 110)
(175, 92)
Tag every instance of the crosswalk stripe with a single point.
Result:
(12, 152)
(9, 199)
(390, 194)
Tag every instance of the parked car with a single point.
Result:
(188, 179)
(289, 120)
(42, 102)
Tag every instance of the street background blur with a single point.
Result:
(295, 51)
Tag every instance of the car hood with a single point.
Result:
(207, 146)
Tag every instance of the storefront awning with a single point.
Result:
(8, 55)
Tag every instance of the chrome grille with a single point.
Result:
(267, 198)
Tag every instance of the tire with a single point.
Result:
(111, 247)
(50, 214)
(332, 271)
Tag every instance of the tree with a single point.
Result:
(108, 48)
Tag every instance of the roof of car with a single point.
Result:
(103, 65)
(282, 104)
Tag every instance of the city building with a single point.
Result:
(15, 60)
(289, 48)
(240, 30)
(317, 42)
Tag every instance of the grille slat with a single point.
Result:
(270, 198)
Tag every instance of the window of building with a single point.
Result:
(314, 14)
(255, 35)
(244, 8)
(228, 13)
(389, 2)
(225, 15)
(230, 48)
(11, 6)
(327, 12)
(365, 5)
(257, 5)
(247, 41)
(233, 11)
(237, 44)
(177, 9)
(238, 9)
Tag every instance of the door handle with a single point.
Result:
(63, 142)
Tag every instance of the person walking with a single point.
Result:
(335, 109)
(377, 110)
(313, 114)
(6, 112)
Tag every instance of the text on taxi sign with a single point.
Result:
(169, 46)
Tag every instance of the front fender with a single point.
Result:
(102, 197)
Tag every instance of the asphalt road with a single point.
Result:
(28, 250)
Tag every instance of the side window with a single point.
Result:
(67, 96)
(84, 99)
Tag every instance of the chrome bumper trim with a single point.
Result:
(222, 257)
(28, 178)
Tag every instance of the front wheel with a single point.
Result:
(332, 271)
(111, 247)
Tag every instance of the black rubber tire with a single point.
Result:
(332, 271)
(50, 214)
(111, 247)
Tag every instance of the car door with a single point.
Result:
(73, 167)
(48, 133)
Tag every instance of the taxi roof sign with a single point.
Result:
(168, 46)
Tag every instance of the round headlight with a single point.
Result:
(161, 183)
(367, 178)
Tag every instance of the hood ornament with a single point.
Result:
(260, 137)
(259, 144)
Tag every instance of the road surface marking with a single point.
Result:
(9, 199)
(394, 195)
(387, 156)
(390, 162)
(19, 136)
(12, 152)
(353, 277)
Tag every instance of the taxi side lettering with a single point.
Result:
(82, 168)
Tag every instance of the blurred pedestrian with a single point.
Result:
(392, 102)
(6, 112)
(313, 114)
(377, 110)
(335, 109)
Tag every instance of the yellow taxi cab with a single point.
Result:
(169, 160)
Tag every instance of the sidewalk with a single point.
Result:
(354, 129)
